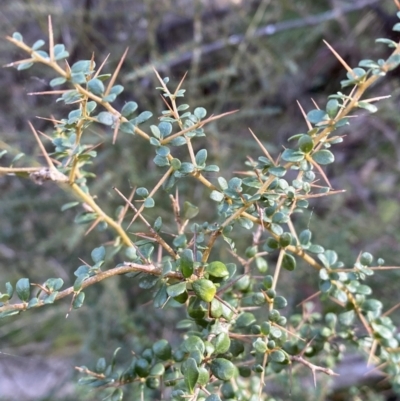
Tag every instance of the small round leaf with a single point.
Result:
(222, 369)
(204, 289)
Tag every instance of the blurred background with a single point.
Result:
(257, 56)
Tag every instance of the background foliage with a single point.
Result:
(262, 77)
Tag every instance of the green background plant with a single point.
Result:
(26, 226)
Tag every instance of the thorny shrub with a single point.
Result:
(239, 329)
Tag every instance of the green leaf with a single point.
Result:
(129, 109)
(142, 367)
(17, 157)
(201, 157)
(372, 305)
(157, 370)
(17, 36)
(260, 346)
(217, 196)
(57, 81)
(81, 66)
(146, 249)
(61, 55)
(244, 320)
(262, 264)
(79, 281)
(143, 192)
(142, 117)
(148, 281)
(285, 240)
(187, 168)
(23, 289)
(78, 300)
(271, 243)
(222, 369)
(216, 309)
(292, 156)
(105, 118)
(221, 342)
(325, 285)
(176, 289)
(204, 377)
(357, 72)
(98, 254)
(367, 106)
(163, 151)
(189, 211)
(277, 356)
(158, 224)
(50, 298)
(211, 168)
(217, 269)
(82, 270)
(43, 54)
(288, 262)
(54, 284)
(78, 78)
(245, 223)
(364, 290)
(154, 142)
(306, 144)
(268, 281)
(187, 262)
(116, 90)
(193, 343)
(316, 116)
(316, 248)
(392, 62)
(332, 108)
(161, 161)
(382, 331)
(24, 66)
(200, 112)
(162, 349)
(347, 318)
(204, 289)
(235, 184)
(161, 297)
(69, 205)
(127, 128)
(179, 141)
(57, 49)
(95, 86)
(190, 374)
(277, 171)
(280, 302)
(131, 253)
(32, 303)
(331, 257)
(165, 128)
(8, 313)
(366, 259)
(323, 157)
(273, 315)
(305, 237)
(368, 64)
(149, 203)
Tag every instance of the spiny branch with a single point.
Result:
(127, 267)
